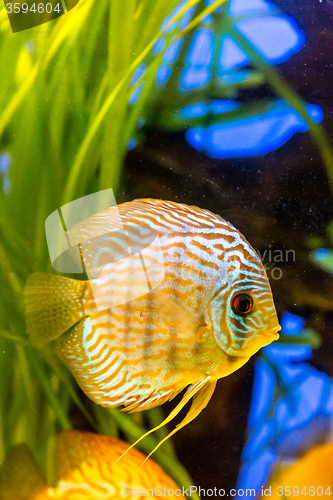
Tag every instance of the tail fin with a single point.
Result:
(20, 478)
(53, 304)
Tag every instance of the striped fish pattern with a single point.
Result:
(87, 468)
(177, 298)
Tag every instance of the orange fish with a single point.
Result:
(87, 469)
(311, 476)
(177, 298)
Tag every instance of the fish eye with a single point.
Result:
(242, 304)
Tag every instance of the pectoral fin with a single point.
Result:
(176, 316)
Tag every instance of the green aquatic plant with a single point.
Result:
(65, 122)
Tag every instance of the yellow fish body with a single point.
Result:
(87, 469)
(310, 476)
(176, 298)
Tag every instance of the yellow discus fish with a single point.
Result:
(87, 469)
(176, 298)
(311, 476)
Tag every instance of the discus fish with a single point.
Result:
(311, 475)
(87, 469)
(176, 298)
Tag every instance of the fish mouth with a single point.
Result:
(265, 338)
(273, 332)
